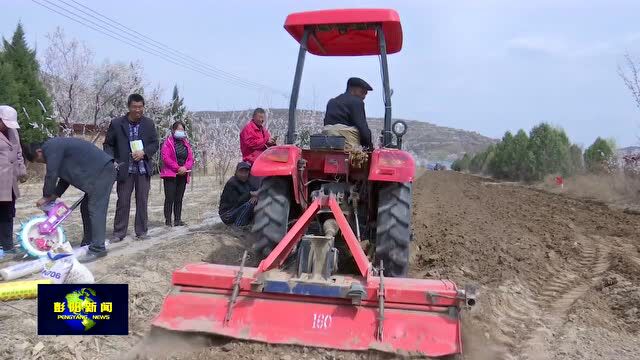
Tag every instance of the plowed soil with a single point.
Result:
(559, 277)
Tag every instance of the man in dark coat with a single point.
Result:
(72, 161)
(345, 115)
(133, 141)
(238, 198)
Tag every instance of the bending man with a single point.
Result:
(72, 161)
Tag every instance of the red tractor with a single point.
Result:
(315, 286)
(374, 192)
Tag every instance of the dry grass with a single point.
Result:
(617, 189)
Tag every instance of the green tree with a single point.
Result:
(550, 148)
(523, 158)
(177, 110)
(512, 159)
(8, 93)
(575, 155)
(475, 165)
(526, 158)
(461, 164)
(502, 162)
(598, 157)
(27, 92)
(480, 162)
(490, 155)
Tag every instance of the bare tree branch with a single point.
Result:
(631, 77)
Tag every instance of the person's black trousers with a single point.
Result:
(7, 213)
(173, 194)
(141, 184)
(94, 209)
(240, 216)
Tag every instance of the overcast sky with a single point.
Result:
(481, 65)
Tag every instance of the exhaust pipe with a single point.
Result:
(469, 295)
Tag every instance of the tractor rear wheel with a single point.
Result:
(393, 232)
(271, 214)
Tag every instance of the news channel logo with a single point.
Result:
(83, 309)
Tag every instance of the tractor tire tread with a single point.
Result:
(271, 214)
(393, 233)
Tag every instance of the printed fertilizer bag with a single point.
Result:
(65, 268)
(58, 270)
(61, 263)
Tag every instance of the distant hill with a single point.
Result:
(427, 141)
(628, 150)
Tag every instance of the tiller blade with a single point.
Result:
(313, 307)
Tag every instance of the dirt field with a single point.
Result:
(559, 277)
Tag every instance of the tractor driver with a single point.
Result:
(345, 116)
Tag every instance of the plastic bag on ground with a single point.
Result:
(79, 274)
(65, 268)
(57, 270)
(62, 262)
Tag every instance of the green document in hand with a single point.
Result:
(136, 145)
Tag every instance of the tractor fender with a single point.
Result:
(392, 165)
(282, 161)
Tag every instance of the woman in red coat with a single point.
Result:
(177, 161)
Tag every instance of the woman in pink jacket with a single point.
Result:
(12, 170)
(177, 161)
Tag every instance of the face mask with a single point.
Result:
(179, 134)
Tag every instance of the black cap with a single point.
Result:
(243, 165)
(357, 82)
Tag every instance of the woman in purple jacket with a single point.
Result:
(177, 161)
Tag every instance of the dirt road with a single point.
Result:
(559, 277)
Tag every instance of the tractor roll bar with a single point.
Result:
(291, 128)
(293, 104)
(386, 131)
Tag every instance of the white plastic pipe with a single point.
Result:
(22, 269)
(31, 267)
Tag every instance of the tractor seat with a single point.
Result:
(326, 142)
